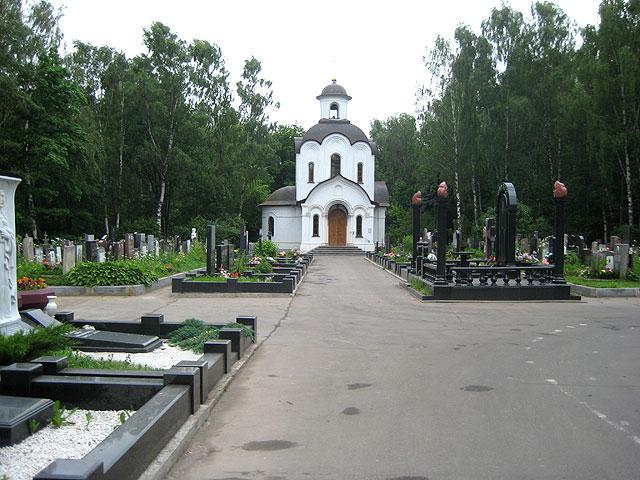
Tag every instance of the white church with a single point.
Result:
(336, 200)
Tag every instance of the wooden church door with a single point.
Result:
(337, 227)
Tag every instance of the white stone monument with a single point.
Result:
(10, 321)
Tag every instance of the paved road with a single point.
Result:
(359, 380)
(362, 381)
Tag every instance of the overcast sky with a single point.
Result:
(374, 48)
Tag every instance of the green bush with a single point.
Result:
(245, 331)
(407, 243)
(120, 272)
(263, 267)
(269, 248)
(571, 258)
(192, 335)
(31, 269)
(23, 347)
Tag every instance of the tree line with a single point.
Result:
(159, 142)
(165, 141)
(529, 100)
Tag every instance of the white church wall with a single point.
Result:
(320, 155)
(380, 214)
(287, 225)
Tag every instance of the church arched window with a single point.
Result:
(360, 172)
(335, 165)
(334, 111)
(271, 227)
(359, 226)
(316, 225)
(311, 172)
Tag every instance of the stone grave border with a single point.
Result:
(167, 401)
(288, 277)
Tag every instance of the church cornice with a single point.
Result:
(326, 127)
(334, 180)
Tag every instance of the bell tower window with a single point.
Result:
(335, 165)
(334, 111)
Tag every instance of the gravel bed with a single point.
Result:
(75, 439)
(162, 357)
(72, 440)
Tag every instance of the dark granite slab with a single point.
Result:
(37, 318)
(17, 412)
(99, 341)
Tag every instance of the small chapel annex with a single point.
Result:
(336, 200)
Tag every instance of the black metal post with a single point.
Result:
(558, 241)
(441, 268)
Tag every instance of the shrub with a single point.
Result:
(263, 267)
(23, 347)
(245, 331)
(31, 269)
(269, 248)
(192, 335)
(120, 272)
(571, 258)
(407, 243)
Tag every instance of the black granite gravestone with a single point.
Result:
(91, 249)
(37, 318)
(507, 207)
(16, 413)
(211, 248)
(100, 341)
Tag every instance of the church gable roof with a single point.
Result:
(329, 126)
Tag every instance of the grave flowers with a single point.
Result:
(27, 283)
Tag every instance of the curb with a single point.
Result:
(604, 292)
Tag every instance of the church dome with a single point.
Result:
(326, 127)
(334, 90)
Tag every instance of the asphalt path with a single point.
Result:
(360, 380)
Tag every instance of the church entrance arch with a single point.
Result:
(337, 225)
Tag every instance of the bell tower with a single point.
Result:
(333, 102)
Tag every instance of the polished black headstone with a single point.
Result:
(38, 318)
(100, 341)
(17, 412)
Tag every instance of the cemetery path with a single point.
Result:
(360, 380)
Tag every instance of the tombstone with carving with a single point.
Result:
(10, 321)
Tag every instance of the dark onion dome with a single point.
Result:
(334, 90)
(329, 126)
(283, 196)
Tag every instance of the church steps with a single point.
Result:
(337, 250)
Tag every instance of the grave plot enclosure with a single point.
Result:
(163, 399)
(500, 276)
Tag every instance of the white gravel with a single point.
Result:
(72, 440)
(23, 460)
(164, 356)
